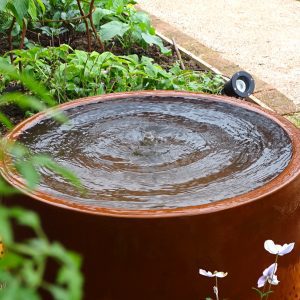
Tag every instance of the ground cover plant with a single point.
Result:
(72, 74)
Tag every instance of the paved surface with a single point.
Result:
(262, 37)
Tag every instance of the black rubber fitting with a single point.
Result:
(241, 85)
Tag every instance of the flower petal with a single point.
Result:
(270, 247)
(206, 273)
(271, 270)
(220, 274)
(261, 281)
(274, 280)
(286, 248)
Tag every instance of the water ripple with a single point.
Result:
(144, 153)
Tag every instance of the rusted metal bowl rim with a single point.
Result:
(287, 176)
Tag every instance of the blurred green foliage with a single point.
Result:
(24, 264)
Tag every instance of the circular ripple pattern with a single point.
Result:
(155, 153)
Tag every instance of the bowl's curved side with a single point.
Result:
(148, 255)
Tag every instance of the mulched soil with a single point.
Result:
(78, 41)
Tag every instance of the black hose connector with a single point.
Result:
(241, 85)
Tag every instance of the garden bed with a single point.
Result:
(52, 40)
(77, 41)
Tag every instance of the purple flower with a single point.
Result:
(272, 248)
(268, 276)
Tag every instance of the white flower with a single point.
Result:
(268, 275)
(271, 247)
(210, 274)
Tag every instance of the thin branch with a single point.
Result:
(9, 38)
(93, 26)
(178, 54)
(23, 35)
(88, 36)
(85, 16)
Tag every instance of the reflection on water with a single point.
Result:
(143, 153)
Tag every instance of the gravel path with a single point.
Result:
(262, 37)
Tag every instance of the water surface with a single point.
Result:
(160, 152)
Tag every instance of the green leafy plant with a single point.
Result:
(109, 19)
(24, 264)
(72, 74)
(18, 13)
(21, 9)
(119, 19)
(61, 16)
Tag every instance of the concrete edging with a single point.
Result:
(265, 94)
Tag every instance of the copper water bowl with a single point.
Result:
(156, 254)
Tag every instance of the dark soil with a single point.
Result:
(78, 41)
(14, 113)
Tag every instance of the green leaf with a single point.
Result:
(58, 293)
(142, 19)
(10, 260)
(3, 4)
(26, 101)
(42, 160)
(21, 9)
(16, 149)
(28, 81)
(5, 121)
(32, 10)
(73, 280)
(153, 39)
(6, 190)
(29, 273)
(6, 232)
(27, 218)
(29, 173)
(41, 4)
(63, 16)
(113, 29)
(100, 13)
(17, 29)
(40, 246)
(117, 6)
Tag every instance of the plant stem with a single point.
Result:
(88, 36)
(93, 26)
(263, 293)
(9, 38)
(270, 285)
(178, 54)
(217, 290)
(23, 35)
